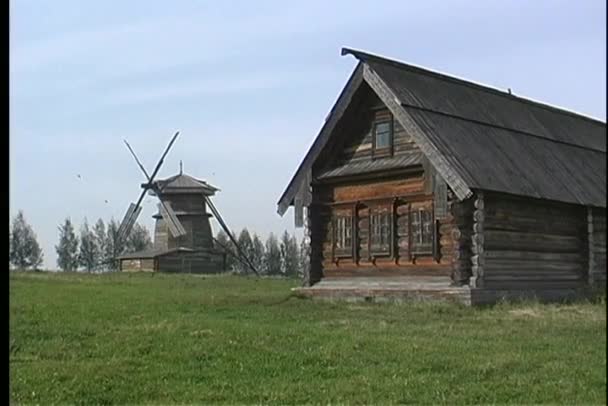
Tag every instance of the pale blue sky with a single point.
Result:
(248, 84)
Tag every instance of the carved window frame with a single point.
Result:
(381, 215)
(343, 222)
(423, 230)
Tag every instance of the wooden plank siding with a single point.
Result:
(137, 265)
(195, 262)
(529, 244)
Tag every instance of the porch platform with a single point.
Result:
(381, 289)
(435, 288)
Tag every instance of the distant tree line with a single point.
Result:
(96, 249)
(91, 250)
(274, 257)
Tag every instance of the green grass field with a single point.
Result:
(181, 339)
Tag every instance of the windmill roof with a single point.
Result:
(182, 183)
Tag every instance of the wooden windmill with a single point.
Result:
(183, 240)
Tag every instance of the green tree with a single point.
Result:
(113, 247)
(138, 239)
(257, 254)
(24, 250)
(99, 231)
(224, 244)
(67, 249)
(246, 245)
(272, 258)
(88, 255)
(289, 255)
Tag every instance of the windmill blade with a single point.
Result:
(137, 160)
(162, 158)
(175, 226)
(128, 221)
(229, 251)
(126, 218)
(220, 220)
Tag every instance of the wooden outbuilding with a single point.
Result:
(426, 185)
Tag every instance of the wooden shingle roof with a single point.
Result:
(479, 137)
(182, 183)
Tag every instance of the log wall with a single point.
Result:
(527, 244)
(596, 232)
(450, 257)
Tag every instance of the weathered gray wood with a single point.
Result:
(176, 228)
(596, 248)
(334, 117)
(531, 256)
(454, 179)
(477, 242)
(298, 212)
(440, 198)
(591, 251)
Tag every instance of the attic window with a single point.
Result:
(382, 133)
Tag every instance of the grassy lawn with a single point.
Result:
(168, 339)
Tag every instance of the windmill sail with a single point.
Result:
(220, 220)
(175, 227)
(128, 221)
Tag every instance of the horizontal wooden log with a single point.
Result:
(538, 225)
(388, 189)
(402, 209)
(514, 241)
(507, 205)
(363, 212)
(446, 228)
(525, 266)
(521, 277)
(530, 285)
(532, 256)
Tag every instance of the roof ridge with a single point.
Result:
(467, 82)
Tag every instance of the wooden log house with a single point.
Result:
(422, 184)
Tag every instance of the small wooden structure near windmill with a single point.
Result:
(183, 239)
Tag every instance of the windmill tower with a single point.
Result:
(183, 220)
(183, 239)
